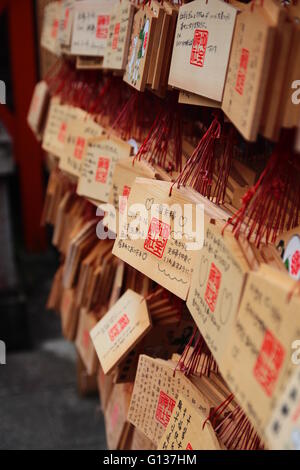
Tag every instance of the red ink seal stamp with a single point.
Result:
(102, 170)
(62, 132)
(102, 27)
(79, 148)
(125, 195)
(54, 29)
(118, 327)
(268, 363)
(241, 76)
(164, 409)
(212, 287)
(199, 47)
(116, 36)
(157, 237)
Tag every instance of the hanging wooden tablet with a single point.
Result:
(56, 127)
(69, 315)
(120, 329)
(290, 105)
(156, 390)
(116, 414)
(157, 250)
(124, 176)
(216, 288)
(38, 108)
(140, 49)
(119, 34)
(162, 54)
(90, 27)
(282, 431)
(258, 358)
(105, 387)
(86, 384)
(248, 70)
(201, 47)
(55, 295)
(171, 12)
(185, 430)
(272, 112)
(98, 166)
(158, 11)
(81, 128)
(66, 25)
(49, 37)
(83, 342)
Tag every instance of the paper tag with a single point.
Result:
(140, 49)
(216, 289)
(49, 37)
(80, 129)
(202, 46)
(248, 71)
(120, 329)
(259, 357)
(38, 107)
(98, 166)
(90, 27)
(283, 430)
(116, 52)
(185, 429)
(156, 390)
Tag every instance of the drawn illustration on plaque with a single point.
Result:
(139, 46)
(291, 256)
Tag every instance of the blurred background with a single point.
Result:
(44, 403)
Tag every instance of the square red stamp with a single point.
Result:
(268, 364)
(118, 327)
(164, 409)
(157, 237)
(79, 148)
(212, 287)
(102, 170)
(102, 27)
(199, 47)
(241, 75)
